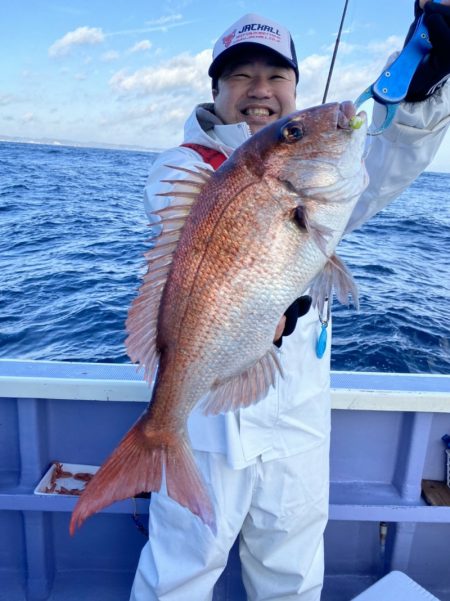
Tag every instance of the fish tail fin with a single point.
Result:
(136, 466)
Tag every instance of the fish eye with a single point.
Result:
(292, 132)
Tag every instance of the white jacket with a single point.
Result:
(295, 416)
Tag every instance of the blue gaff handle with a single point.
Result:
(392, 85)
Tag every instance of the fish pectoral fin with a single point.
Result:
(319, 233)
(335, 275)
(244, 389)
(137, 465)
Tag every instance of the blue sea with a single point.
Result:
(73, 232)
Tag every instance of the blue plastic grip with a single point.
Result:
(392, 85)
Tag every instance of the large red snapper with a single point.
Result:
(235, 251)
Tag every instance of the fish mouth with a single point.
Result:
(346, 116)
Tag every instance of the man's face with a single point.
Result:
(258, 90)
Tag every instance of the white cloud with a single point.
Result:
(162, 25)
(387, 46)
(79, 37)
(158, 124)
(165, 20)
(313, 64)
(169, 91)
(109, 56)
(381, 48)
(141, 46)
(313, 72)
(344, 48)
(348, 80)
(355, 69)
(182, 71)
(28, 117)
(6, 99)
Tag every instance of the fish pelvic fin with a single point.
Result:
(246, 388)
(137, 465)
(335, 275)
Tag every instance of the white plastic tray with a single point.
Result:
(396, 586)
(52, 484)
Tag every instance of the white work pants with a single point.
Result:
(280, 509)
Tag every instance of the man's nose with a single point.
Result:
(260, 87)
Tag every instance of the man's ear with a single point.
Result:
(214, 93)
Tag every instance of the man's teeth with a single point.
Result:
(259, 112)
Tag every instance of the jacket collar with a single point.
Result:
(204, 127)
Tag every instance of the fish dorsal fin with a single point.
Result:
(244, 389)
(335, 275)
(199, 174)
(142, 320)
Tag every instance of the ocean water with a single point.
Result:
(73, 232)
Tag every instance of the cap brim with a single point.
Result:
(236, 52)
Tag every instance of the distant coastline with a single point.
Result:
(72, 144)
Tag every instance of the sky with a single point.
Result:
(129, 72)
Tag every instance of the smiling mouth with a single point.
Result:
(257, 112)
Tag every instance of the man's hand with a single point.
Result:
(279, 331)
(287, 323)
(435, 68)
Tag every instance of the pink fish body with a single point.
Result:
(237, 248)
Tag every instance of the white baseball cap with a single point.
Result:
(253, 29)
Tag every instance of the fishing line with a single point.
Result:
(336, 47)
(321, 343)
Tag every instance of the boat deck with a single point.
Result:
(386, 438)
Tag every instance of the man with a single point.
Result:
(266, 466)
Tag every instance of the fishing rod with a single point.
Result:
(336, 46)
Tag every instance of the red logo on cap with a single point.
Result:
(228, 39)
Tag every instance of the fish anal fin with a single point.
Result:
(335, 275)
(244, 389)
(137, 465)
